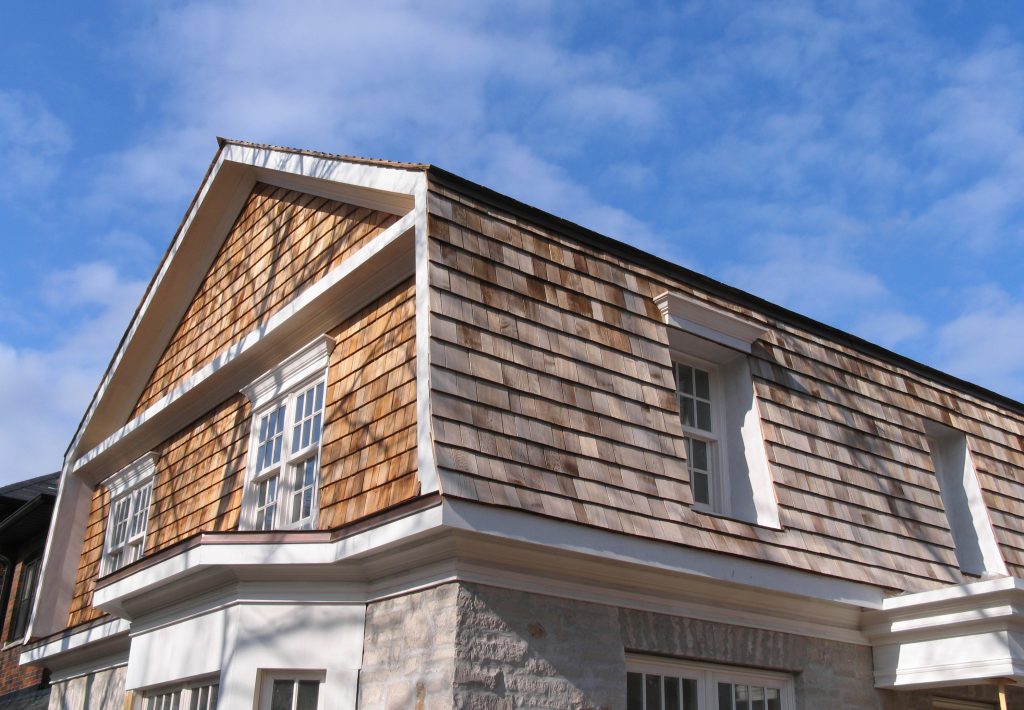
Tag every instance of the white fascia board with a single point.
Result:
(208, 556)
(572, 537)
(426, 468)
(296, 308)
(74, 640)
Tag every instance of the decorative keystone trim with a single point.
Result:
(702, 319)
(303, 364)
(132, 475)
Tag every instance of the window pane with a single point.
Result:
(307, 420)
(652, 689)
(725, 696)
(672, 694)
(266, 503)
(773, 699)
(634, 691)
(756, 698)
(684, 379)
(700, 455)
(271, 427)
(308, 690)
(703, 387)
(742, 697)
(686, 412)
(689, 694)
(703, 416)
(305, 488)
(701, 490)
(119, 521)
(281, 695)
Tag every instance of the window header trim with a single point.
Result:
(708, 322)
(306, 362)
(132, 475)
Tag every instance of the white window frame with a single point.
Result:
(704, 336)
(709, 675)
(268, 676)
(132, 487)
(150, 698)
(717, 439)
(277, 388)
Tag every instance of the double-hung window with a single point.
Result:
(284, 461)
(131, 491)
(695, 390)
(725, 452)
(668, 685)
(290, 690)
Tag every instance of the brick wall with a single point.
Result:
(13, 676)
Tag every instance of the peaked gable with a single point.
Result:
(281, 242)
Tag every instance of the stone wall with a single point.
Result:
(103, 690)
(409, 651)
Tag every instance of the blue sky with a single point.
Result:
(858, 162)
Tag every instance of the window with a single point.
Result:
(26, 594)
(697, 411)
(290, 690)
(189, 697)
(284, 459)
(726, 456)
(130, 492)
(666, 685)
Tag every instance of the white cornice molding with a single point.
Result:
(304, 364)
(963, 634)
(708, 322)
(132, 475)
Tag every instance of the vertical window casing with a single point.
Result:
(283, 474)
(131, 492)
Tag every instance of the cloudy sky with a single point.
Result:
(862, 163)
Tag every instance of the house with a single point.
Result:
(25, 509)
(379, 437)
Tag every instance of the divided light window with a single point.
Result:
(697, 410)
(285, 476)
(131, 491)
(290, 690)
(658, 685)
(190, 697)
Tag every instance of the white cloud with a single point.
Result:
(44, 389)
(32, 141)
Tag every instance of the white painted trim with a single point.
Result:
(572, 537)
(707, 321)
(304, 364)
(74, 640)
(94, 665)
(132, 475)
(708, 675)
(957, 635)
(236, 351)
(426, 468)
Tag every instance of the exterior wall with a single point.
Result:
(103, 690)
(13, 676)
(409, 651)
(368, 459)
(369, 441)
(282, 242)
(552, 392)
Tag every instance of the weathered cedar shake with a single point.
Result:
(282, 242)
(552, 391)
(368, 458)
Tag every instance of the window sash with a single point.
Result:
(283, 490)
(188, 697)
(127, 523)
(291, 690)
(27, 580)
(697, 383)
(667, 685)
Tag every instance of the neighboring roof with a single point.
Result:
(30, 488)
(27, 699)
